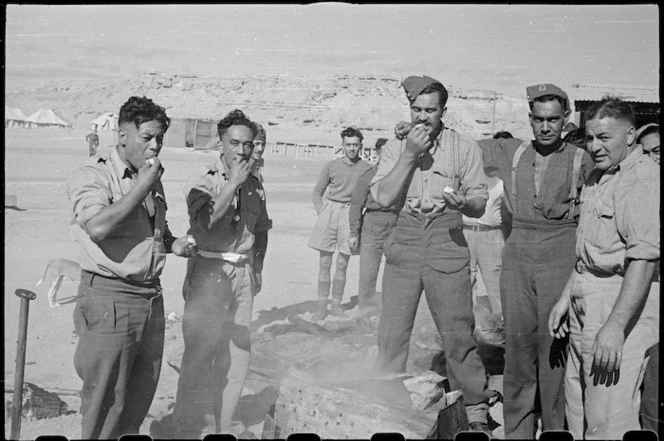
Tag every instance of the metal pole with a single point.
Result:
(493, 115)
(17, 401)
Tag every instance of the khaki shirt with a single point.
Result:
(135, 250)
(234, 232)
(435, 170)
(620, 215)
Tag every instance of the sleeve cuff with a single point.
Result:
(639, 250)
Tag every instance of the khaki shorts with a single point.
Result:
(332, 229)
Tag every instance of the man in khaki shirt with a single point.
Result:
(119, 221)
(612, 296)
(432, 177)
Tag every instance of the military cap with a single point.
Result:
(539, 90)
(414, 85)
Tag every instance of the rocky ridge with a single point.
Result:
(316, 104)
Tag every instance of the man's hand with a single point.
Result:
(239, 171)
(558, 327)
(185, 246)
(402, 129)
(454, 199)
(353, 242)
(150, 172)
(418, 140)
(607, 348)
(259, 283)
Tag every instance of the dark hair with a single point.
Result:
(380, 142)
(610, 107)
(503, 134)
(235, 118)
(576, 137)
(436, 87)
(138, 110)
(647, 131)
(546, 98)
(351, 132)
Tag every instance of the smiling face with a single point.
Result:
(352, 146)
(259, 148)
(426, 110)
(608, 141)
(547, 120)
(140, 143)
(238, 140)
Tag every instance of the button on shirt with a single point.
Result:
(234, 232)
(435, 170)
(135, 250)
(620, 215)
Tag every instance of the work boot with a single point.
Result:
(321, 311)
(335, 308)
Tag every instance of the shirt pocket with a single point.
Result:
(439, 180)
(603, 226)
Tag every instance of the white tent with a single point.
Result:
(15, 118)
(107, 121)
(47, 118)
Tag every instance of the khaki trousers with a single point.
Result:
(606, 411)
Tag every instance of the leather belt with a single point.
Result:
(479, 227)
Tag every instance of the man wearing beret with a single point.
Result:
(610, 305)
(542, 184)
(432, 177)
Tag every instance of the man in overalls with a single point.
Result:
(542, 183)
(612, 296)
(433, 176)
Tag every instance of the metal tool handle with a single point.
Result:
(17, 401)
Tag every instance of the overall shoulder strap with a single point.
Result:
(456, 141)
(515, 162)
(576, 171)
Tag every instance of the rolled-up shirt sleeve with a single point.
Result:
(637, 216)
(87, 193)
(473, 180)
(388, 159)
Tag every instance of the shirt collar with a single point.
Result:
(122, 169)
(634, 152)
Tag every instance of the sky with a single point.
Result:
(489, 47)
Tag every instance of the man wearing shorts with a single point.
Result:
(331, 197)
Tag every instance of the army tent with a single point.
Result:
(47, 118)
(107, 121)
(15, 118)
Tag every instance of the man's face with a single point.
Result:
(259, 148)
(426, 110)
(352, 146)
(650, 145)
(547, 120)
(237, 142)
(608, 141)
(141, 143)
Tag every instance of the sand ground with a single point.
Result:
(37, 164)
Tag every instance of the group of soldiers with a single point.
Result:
(577, 270)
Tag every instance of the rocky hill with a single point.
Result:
(286, 103)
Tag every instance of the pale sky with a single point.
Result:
(492, 47)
